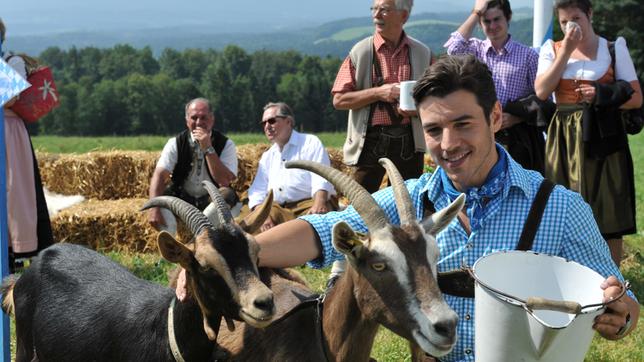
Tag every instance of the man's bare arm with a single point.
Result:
(289, 244)
(157, 186)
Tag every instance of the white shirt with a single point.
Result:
(592, 69)
(199, 171)
(289, 185)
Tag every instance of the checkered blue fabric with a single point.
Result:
(11, 83)
(513, 69)
(567, 230)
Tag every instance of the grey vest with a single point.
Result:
(362, 57)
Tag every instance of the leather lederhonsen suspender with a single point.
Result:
(460, 282)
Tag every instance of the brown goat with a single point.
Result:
(390, 280)
(73, 304)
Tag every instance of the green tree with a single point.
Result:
(613, 18)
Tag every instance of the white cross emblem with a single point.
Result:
(47, 89)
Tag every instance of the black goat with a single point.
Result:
(74, 304)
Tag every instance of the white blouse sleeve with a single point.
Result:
(624, 68)
(546, 56)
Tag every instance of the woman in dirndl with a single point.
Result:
(586, 148)
(27, 216)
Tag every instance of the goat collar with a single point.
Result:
(319, 324)
(174, 347)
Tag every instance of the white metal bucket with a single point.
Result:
(534, 307)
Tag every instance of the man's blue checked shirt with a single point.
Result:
(567, 230)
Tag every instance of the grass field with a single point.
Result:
(388, 347)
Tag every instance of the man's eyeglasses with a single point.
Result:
(270, 121)
(383, 10)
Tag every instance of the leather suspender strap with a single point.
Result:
(459, 282)
(380, 80)
(533, 221)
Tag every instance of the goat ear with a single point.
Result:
(173, 250)
(253, 221)
(439, 220)
(347, 241)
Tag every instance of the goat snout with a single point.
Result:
(259, 309)
(446, 328)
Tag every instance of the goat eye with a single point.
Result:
(378, 266)
(204, 268)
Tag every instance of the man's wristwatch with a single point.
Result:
(622, 331)
(210, 150)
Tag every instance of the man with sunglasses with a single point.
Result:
(295, 192)
(367, 85)
(198, 153)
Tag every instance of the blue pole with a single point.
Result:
(4, 236)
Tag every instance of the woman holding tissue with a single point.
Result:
(587, 148)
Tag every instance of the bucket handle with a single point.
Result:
(538, 303)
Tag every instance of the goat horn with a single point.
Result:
(185, 211)
(401, 194)
(222, 210)
(361, 200)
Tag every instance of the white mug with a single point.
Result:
(406, 95)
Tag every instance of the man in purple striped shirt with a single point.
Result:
(514, 68)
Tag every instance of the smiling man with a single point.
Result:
(514, 68)
(367, 85)
(198, 153)
(295, 192)
(460, 115)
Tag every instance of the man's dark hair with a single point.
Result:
(584, 5)
(504, 5)
(453, 73)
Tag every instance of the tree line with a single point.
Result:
(127, 91)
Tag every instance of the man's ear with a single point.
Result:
(173, 250)
(406, 16)
(496, 117)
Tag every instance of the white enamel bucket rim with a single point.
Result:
(519, 302)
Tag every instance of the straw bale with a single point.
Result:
(99, 175)
(116, 175)
(247, 160)
(106, 225)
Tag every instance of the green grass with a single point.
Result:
(59, 144)
(388, 347)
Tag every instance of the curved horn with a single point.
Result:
(361, 200)
(401, 194)
(253, 221)
(222, 210)
(186, 212)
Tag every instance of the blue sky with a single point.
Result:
(39, 16)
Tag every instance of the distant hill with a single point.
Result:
(330, 39)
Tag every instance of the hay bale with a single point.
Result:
(99, 175)
(114, 175)
(106, 225)
(247, 160)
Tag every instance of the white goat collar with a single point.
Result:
(174, 347)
